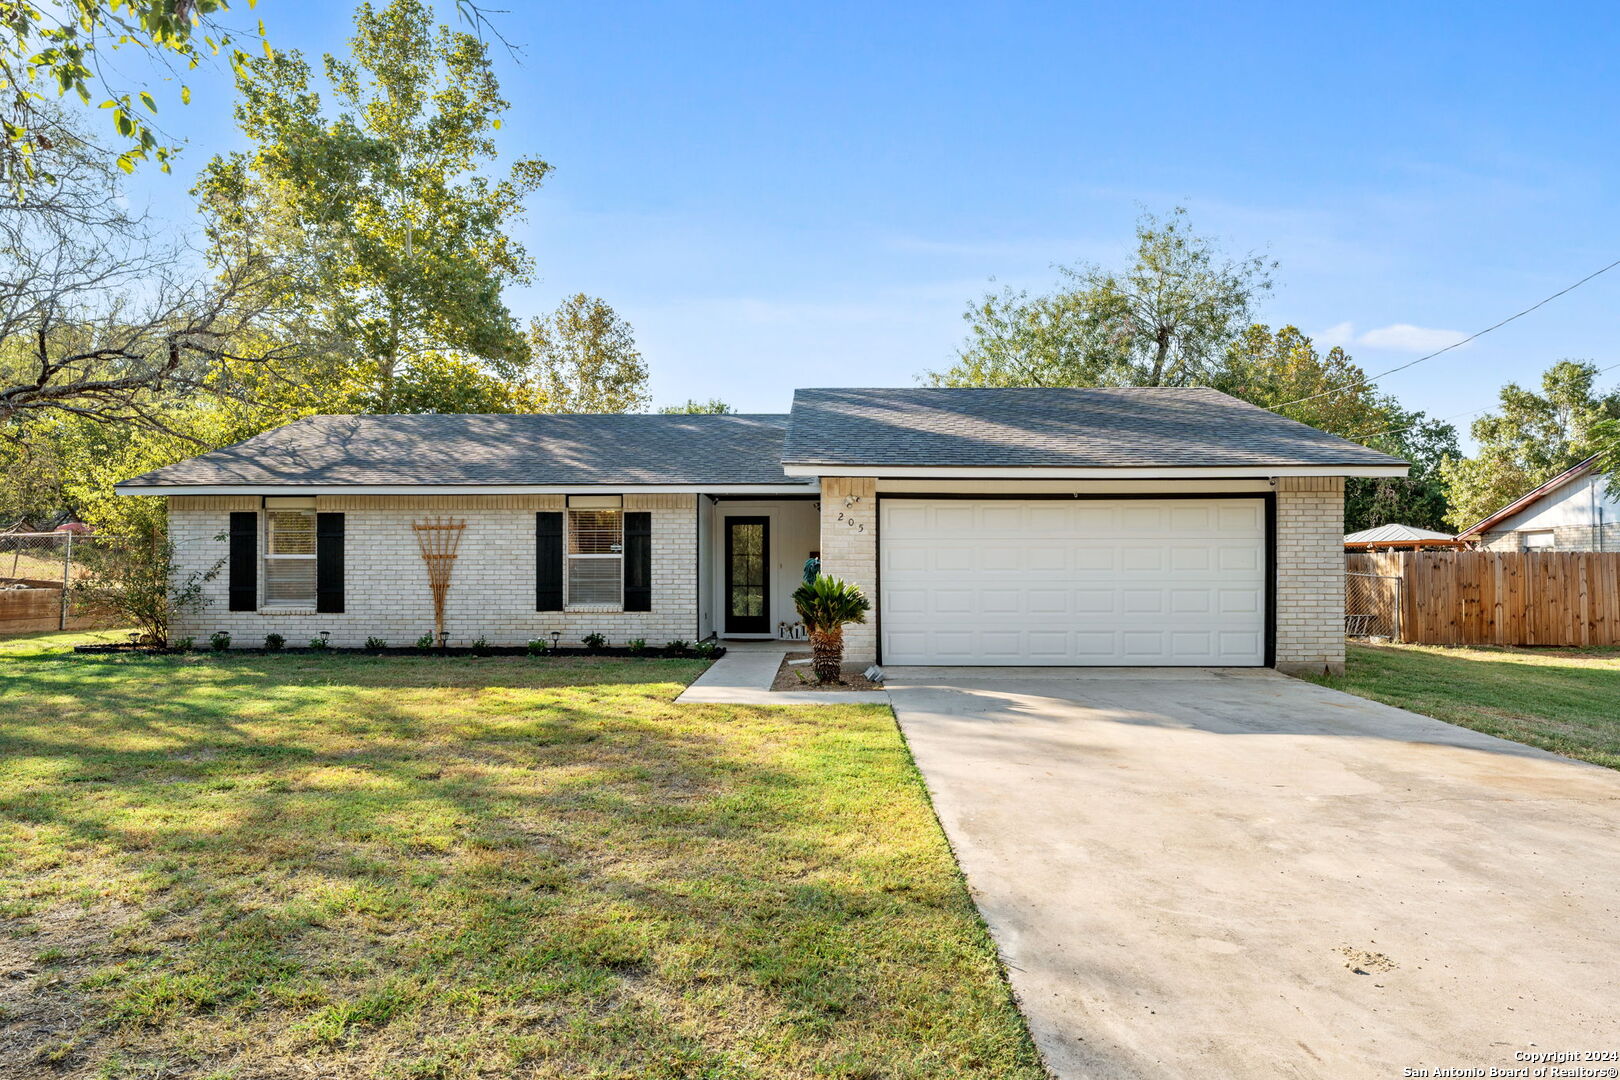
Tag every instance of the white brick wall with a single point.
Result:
(849, 535)
(1310, 573)
(491, 590)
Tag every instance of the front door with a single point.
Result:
(748, 549)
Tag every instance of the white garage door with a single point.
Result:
(1073, 581)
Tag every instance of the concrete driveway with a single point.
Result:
(1235, 874)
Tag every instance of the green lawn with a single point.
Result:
(1563, 700)
(346, 866)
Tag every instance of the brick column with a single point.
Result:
(1310, 574)
(849, 528)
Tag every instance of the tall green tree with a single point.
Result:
(1534, 437)
(381, 210)
(1165, 320)
(1283, 371)
(584, 360)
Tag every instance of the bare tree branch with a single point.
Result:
(101, 318)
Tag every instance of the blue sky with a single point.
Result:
(799, 195)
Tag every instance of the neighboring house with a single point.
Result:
(1573, 511)
(1399, 538)
(989, 526)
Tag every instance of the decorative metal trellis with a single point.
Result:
(438, 538)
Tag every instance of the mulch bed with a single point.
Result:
(788, 677)
(493, 650)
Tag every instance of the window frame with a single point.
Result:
(270, 557)
(570, 534)
(1550, 534)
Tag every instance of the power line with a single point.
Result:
(1443, 419)
(1494, 326)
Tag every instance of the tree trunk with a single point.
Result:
(1161, 353)
(827, 649)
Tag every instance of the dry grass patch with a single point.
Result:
(413, 867)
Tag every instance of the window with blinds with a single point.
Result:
(289, 560)
(595, 578)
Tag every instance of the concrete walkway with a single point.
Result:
(744, 675)
(1236, 874)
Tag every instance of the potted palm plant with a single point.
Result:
(826, 605)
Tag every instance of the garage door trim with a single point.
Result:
(1268, 500)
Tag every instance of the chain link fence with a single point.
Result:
(37, 573)
(1372, 606)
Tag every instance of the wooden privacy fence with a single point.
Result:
(1502, 597)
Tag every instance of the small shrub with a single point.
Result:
(705, 650)
(827, 605)
(134, 580)
(183, 644)
(594, 642)
(376, 643)
(677, 647)
(637, 646)
(219, 640)
(319, 643)
(274, 642)
(425, 642)
(480, 645)
(539, 646)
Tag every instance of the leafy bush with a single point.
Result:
(705, 650)
(319, 643)
(637, 645)
(131, 580)
(677, 647)
(594, 642)
(425, 642)
(539, 646)
(826, 605)
(219, 640)
(376, 643)
(480, 645)
(274, 642)
(183, 644)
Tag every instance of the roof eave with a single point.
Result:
(1112, 472)
(1574, 472)
(786, 487)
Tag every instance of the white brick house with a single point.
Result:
(1577, 510)
(996, 526)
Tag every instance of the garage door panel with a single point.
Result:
(1143, 559)
(1048, 602)
(1191, 601)
(1086, 582)
(1240, 517)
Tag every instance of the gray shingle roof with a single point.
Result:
(621, 449)
(1107, 428)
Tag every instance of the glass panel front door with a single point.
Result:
(748, 548)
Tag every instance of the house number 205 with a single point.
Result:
(850, 522)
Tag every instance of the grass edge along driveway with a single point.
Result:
(420, 867)
(1563, 700)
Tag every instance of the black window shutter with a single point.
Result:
(548, 561)
(329, 563)
(638, 562)
(244, 556)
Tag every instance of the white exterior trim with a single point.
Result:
(465, 489)
(1009, 472)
